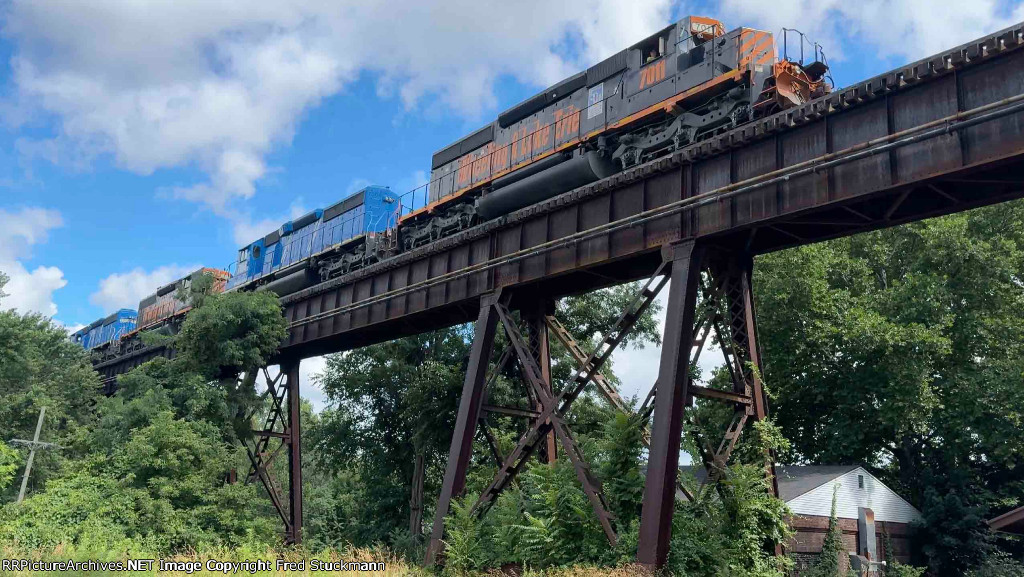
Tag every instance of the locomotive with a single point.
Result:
(105, 330)
(687, 82)
(118, 333)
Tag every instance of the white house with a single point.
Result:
(808, 491)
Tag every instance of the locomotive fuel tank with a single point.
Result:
(568, 173)
(289, 281)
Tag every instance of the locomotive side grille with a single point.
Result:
(612, 65)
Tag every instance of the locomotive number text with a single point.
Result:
(653, 74)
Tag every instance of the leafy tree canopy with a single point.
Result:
(899, 350)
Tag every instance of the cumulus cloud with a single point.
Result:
(28, 290)
(908, 29)
(126, 289)
(638, 368)
(245, 229)
(217, 85)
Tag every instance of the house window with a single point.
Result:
(860, 481)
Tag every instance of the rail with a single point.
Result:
(955, 122)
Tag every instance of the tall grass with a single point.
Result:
(394, 566)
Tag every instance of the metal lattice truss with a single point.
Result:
(725, 311)
(279, 432)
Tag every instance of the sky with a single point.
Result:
(140, 140)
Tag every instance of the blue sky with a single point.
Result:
(139, 140)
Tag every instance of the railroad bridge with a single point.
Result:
(937, 136)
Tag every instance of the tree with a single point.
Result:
(40, 366)
(389, 402)
(240, 331)
(9, 462)
(829, 563)
(392, 401)
(898, 350)
(146, 468)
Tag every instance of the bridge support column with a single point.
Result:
(294, 429)
(727, 308)
(461, 449)
(281, 429)
(673, 380)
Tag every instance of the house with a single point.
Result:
(808, 491)
(1009, 522)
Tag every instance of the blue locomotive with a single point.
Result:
(318, 245)
(106, 330)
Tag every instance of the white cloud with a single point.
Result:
(638, 368)
(308, 384)
(126, 289)
(28, 290)
(217, 85)
(245, 230)
(32, 291)
(309, 387)
(908, 29)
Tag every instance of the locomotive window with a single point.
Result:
(652, 49)
(243, 255)
(255, 252)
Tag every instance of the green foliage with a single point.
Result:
(898, 569)
(144, 469)
(239, 330)
(41, 367)
(832, 552)
(200, 287)
(463, 546)
(76, 509)
(950, 535)
(388, 402)
(733, 532)
(3, 282)
(999, 564)
(622, 447)
(557, 512)
(899, 350)
(9, 462)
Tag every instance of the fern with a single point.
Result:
(463, 548)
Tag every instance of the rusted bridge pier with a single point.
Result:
(280, 432)
(722, 279)
(937, 136)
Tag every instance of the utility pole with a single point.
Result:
(32, 445)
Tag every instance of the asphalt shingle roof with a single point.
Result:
(794, 480)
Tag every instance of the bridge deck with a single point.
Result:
(941, 135)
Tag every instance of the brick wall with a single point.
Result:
(805, 545)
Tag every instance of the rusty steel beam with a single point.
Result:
(291, 371)
(673, 379)
(513, 411)
(707, 393)
(551, 418)
(583, 375)
(541, 348)
(466, 422)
